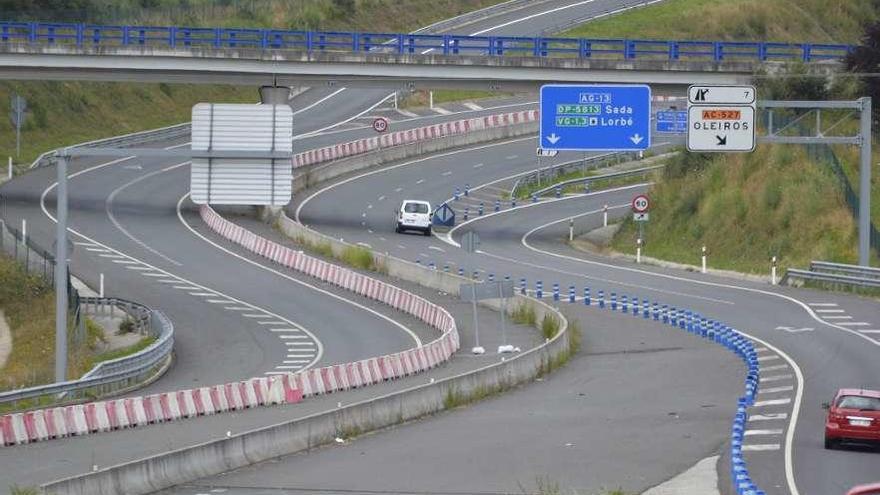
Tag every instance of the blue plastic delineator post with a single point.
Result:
(601, 299)
(556, 292)
(539, 289)
(522, 286)
(587, 301)
(571, 293)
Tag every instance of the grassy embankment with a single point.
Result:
(28, 302)
(747, 207)
(64, 113)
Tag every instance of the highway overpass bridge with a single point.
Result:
(264, 56)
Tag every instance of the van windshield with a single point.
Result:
(415, 208)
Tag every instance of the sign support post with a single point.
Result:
(865, 184)
(61, 271)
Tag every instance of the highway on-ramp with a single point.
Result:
(527, 242)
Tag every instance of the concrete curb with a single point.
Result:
(218, 456)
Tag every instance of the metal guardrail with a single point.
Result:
(141, 137)
(793, 273)
(613, 175)
(844, 269)
(117, 374)
(173, 37)
(552, 171)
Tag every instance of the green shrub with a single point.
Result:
(524, 314)
(126, 326)
(549, 326)
(359, 257)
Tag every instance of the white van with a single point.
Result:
(413, 215)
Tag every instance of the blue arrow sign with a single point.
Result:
(444, 215)
(595, 118)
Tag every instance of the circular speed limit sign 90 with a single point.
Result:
(380, 124)
(640, 203)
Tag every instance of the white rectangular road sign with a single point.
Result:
(641, 217)
(721, 128)
(241, 181)
(727, 95)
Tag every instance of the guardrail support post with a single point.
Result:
(773, 271)
(570, 229)
(638, 250)
(101, 285)
(605, 216)
(704, 260)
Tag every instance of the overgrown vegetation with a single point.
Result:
(746, 208)
(524, 314)
(421, 98)
(22, 490)
(65, 113)
(549, 326)
(358, 257)
(741, 20)
(361, 15)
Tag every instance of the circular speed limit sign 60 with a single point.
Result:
(380, 124)
(640, 203)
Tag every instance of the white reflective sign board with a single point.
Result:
(730, 95)
(244, 128)
(720, 128)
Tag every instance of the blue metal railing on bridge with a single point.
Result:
(86, 35)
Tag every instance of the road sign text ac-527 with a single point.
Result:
(595, 118)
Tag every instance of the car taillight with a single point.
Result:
(835, 417)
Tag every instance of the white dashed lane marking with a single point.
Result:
(774, 367)
(768, 417)
(776, 378)
(822, 305)
(869, 331)
(752, 433)
(829, 311)
(772, 402)
(776, 390)
(760, 447)
(854, 324)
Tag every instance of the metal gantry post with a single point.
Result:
(61, 272)
(865, 184)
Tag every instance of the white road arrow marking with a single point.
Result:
(553, 138)
(795, 330)
(636, 139)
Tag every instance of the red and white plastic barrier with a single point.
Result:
(409, 136)
(343, 377)
(93, 417)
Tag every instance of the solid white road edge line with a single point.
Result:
(181, 279)
(403, 327)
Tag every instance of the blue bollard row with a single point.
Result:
(706, 328)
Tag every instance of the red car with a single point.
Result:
(853, 416)
(869, 489)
